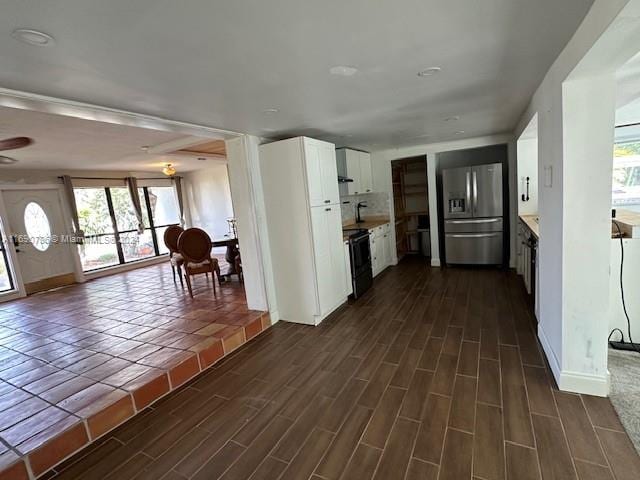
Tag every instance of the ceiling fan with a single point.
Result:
(13, 144)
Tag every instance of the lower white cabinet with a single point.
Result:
(326, 224)
(380, 246)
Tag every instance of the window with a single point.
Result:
(99, 249)
(135, 246)
(626, 175)
(110, 224)
(163, 210)
(6, 280)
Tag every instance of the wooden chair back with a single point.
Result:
(171, 235)
(195, 245)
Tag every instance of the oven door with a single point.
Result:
(360, 254)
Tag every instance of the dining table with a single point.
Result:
(231, 243)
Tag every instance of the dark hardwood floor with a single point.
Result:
(434, 374)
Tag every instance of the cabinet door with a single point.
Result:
(386, 250)
(329, 174)
(336, 247)
(347, 269)
(374, 245)
(322, 173)
(366, 176)
(313, 162)
(353, 171)
(322, 257)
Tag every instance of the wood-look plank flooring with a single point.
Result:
(433, 374)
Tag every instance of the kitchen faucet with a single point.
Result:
(358, 207)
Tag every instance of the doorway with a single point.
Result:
(36, 227)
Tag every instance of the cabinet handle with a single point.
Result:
(327, 209)
(327, 201)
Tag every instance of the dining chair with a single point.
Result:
(171, 235)
(194, 244)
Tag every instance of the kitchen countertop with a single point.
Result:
(368, 224)
(629, 223)
(531, 221)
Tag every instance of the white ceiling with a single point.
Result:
(221, 64)
(62, 142)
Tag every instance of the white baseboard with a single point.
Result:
(574, 382)
(435, 262)
(551, 357)
(597, 385)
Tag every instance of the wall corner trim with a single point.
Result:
(575, 382)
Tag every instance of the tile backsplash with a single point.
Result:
(377, 206)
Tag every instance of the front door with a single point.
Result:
(37, 229)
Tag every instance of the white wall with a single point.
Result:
(527, 167)
(575, 107)
(381, 165)
(248, 204)
(208, 199)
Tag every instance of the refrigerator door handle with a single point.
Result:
(478, 220)
(475, 192)
(474, 235)
(468, 192)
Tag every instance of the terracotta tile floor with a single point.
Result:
(76, 362)
(433, 374)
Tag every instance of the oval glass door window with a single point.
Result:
(37, 225)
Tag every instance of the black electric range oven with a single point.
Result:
(360, 256)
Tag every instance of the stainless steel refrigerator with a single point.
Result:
(473, 217)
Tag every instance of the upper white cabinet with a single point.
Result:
(366, 176)
(304, 222)
(322, 172)
(355, 165)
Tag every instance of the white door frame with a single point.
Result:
(256, 260)
(11, 249)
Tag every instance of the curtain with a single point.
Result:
(135, 199)
(73, 208)
(178, 182)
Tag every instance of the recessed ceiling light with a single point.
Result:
(460, 132)
(453, 118)
(427, 72)
(144, 148)
(33, 37)
(270, 110)
(343, 70)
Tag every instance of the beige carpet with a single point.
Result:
(624, 368)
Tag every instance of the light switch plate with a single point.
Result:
(548, 176)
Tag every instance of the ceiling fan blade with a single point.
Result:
(15, 143)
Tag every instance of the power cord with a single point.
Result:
(622, 345)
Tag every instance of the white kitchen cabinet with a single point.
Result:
(329, 256)
(380, 246)
(366, 175)
(304, 223)
(374, 247)
(355, 165)
(322, 173)
(386, 250)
